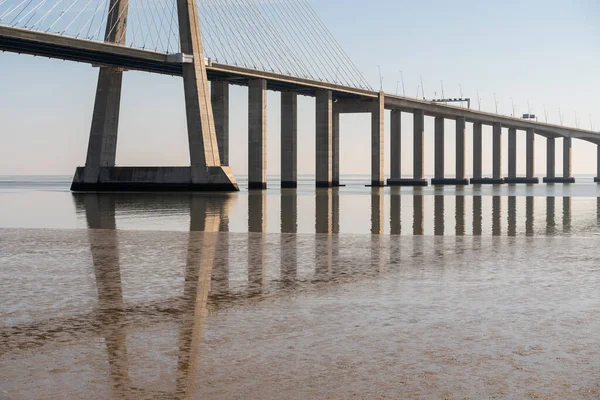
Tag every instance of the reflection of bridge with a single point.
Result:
(213, 261)
(208, 113)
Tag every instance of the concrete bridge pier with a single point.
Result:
(567, 160)
(289, 139)
(496, 155)
(439, 150)
(324, 139)
(530, 149)
(477, 152)
(220, 102)
(551, 164)
(257, 134)
(336, 149)
(418, 153)
(461, 133)
(460, 178)
(597, 178)
(395, 147)
(512, 158)
(377, 141)
(550, 160)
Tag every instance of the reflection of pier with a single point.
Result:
(529, 216)
(257, 229)
(209, 216)
(423, 215)
(104, 246)
(288, 241)
(206, 253)
(324, 230)
(213, 258)
(378, 262)
(489, 215)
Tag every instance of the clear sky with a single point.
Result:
(545, 52)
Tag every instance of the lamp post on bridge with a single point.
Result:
(496, 101)
(402, 80)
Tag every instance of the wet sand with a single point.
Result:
(142, 314)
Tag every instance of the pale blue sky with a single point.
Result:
(544, 52)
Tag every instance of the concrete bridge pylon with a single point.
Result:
(206, 171)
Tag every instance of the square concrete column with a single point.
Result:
(439, 148)
(377, 141)
(257, 134)
(289, 138)
(418, 152)
(550, 158)
(336, 149)
(512, 153)
(324, 139)
(395, 144)
(530, 153)
(567, 143)
(477, 150)
(395, 135)
(597, 178)
(461, 126)
(220, 103)
(497, 151)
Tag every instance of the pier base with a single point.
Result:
(487, 181)
(154, 179)
(407, 182)
(450, 181)
(323, 184)
(289, 184)
(521, 180)
(597, 179)
(559, 180)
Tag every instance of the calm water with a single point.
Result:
(475, 292)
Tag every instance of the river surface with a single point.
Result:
(476, 292)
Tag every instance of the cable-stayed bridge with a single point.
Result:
(265, 45)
